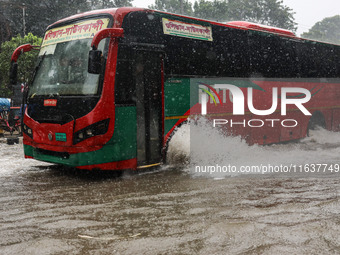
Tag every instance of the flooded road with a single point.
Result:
(47, 209)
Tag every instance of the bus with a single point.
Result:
(112, 86)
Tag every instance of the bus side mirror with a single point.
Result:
(95, 62)
(13, 73)
(95, 56)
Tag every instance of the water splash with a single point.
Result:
(178, 153)
(13, 160)
(198, 144)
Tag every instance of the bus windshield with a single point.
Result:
(63, 60)
(62, 70)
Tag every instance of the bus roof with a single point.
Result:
(260, 27)
(119, 14)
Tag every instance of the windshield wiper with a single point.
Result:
(25, 96)
(39, 64)
(53, 95)
(37, 67)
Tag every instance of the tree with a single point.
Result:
(266, 12)
(327, 30)
(95, 4)
(212, 10)
(174, 6)
(26, 61)
(5, 30)
(34, 16)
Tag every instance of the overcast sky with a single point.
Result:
(308, 12)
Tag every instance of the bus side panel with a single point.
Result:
(288, 131)
(125, 133)
(336, 120)
(176, 101)
(328, 118)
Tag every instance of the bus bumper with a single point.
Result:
(106, 158)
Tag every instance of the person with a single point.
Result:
(76, 70)
(63, 74)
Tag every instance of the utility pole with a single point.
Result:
(23, 18)
(23, 7)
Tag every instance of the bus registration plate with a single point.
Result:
(61, 137)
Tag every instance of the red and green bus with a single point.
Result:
(111, 86)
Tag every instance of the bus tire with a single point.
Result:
(10, 141)
(166, 147)
(316, 121)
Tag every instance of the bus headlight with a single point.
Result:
(28, 131)
(98, 128)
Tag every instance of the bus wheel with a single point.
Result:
(180, 157)
(316, 121)
(12, 140)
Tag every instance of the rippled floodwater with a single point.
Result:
(47, 209)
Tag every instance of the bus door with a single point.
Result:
(148, 78)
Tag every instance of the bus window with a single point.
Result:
(135, 26)
(125, 91)
(63, 70)
(232, 48)
(272, 56)
(307, 56)
(147, 73)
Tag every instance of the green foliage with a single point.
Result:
(26, 61)
(212, 10)
(267, 12)
(95, 4)
(327, 30)
(174, 6)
